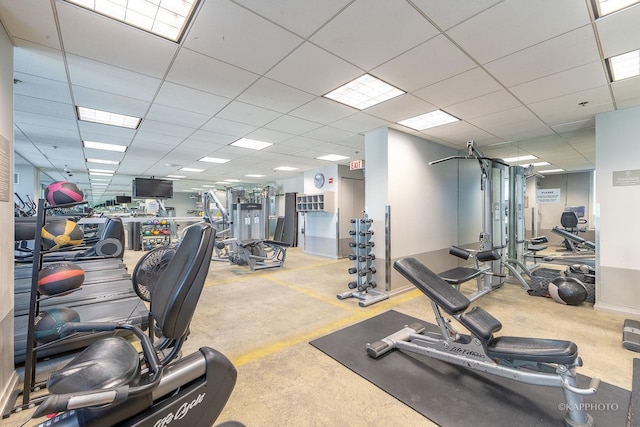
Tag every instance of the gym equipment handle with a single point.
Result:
(593, 387)
(63, 402)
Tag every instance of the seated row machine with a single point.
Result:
(257, 254)
(537, 361)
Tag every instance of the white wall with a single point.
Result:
(423, 199)
(618, 258)
(8, 376)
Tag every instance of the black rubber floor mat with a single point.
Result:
(454, 396)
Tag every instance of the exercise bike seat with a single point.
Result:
(532, 350)
(108, 363)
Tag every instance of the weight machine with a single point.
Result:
(493, 235)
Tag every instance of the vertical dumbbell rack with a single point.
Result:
(363, 284)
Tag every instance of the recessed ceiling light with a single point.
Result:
(429, 120)
(103, 146)
(364, 92)
(166, 19)
(102, 170)
(99, 183)
(251, 143)
(103, 162)
(176, 176)
(209, 185)
(192, 170)
(538, 164)
(255, 175)
(552, 170)
(625, 66)
(285, 168)
(213, 160)
(100, 174)
(606, 7)
(518, 159)
(107, 118)
(231, 180)
(99, 179)
(332, 157)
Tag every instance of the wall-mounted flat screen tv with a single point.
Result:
(123, 199)
(149, 188)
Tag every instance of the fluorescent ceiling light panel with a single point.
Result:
(99, 179)
(332, 157)
(192, 170)
(103, 162)
(213, 160)
(254, 175)
(538, 164)
(625, 65)
(518, 159)
(606, 7)
(552, 170)
(231, 180)
(364, 92)
(107, 118)
(285, 168)
(103, 146)
(100, 174)
(102, 170)
(164, 18)
(429, 120)
(176, 176)
(251, 143)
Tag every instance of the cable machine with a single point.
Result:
(493, 234)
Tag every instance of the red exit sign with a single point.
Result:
(356, 164)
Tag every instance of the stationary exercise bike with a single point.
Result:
(535, 361)
(110, 383)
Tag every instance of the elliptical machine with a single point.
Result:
(110, 383)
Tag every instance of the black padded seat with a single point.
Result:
(480, 323)
(458, 275)
(249, 242)
(532, 350)
(536, 248)
(108, 363)
(432, 285)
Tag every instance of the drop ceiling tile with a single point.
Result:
(364, 35)
(626, 92)
(170, 115)
(188, 99)
(566, 109)
(165, 129)
(104, 133)
(42, 106)
(213, 138)
(323, 110)
(400, 108)
(292, 125)
(439, 56)
(38, 60)
(269, 135)
(513, 115)
(565, 52)
(458, 133)
(21, 118)
(248, 114)
(314, 70)
(302, 18)
(37, 87)
(228, 127)
(300, 142)
(619, 32)
(563, 83)
(110, 41)
(461, 87)
(30, 20)
(201, 72)
(359, 123)
(157, 137)
(514, 25)
(256, 45)
(486, 104)
(452, 12)
(328, 133)
(96, 75)
(273, 95)
(106, 101)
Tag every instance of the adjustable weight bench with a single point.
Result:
(535, 361)
(574, 241)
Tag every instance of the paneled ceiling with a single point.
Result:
(524, 77)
